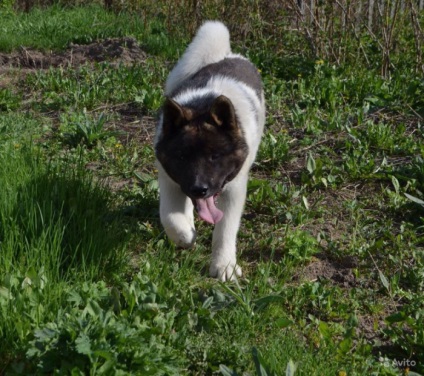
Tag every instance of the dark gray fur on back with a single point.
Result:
(201, 104)
(238, 69)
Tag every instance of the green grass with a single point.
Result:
(85, 88)
(331, 243)
(54, 29)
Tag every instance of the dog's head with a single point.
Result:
(201, 150)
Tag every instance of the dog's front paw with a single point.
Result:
(183, 239)
(225, 271)
(181, 232)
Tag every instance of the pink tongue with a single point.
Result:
(208, 211)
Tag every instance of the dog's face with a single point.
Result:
(201, 151)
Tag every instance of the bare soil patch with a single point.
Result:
(339, 272)
(119, 50)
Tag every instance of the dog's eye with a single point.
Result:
(214, 157)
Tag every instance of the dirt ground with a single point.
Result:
(119, 50)
(126, 51)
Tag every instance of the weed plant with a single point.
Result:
(87, 88)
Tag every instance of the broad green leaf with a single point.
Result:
(384, 280)
(324, 329)
(268, 299)
(260, 370)
(143, 177)
(4, 292)
(396, 317)
(310, 163)
(83, 345)
(291, 368)
(226, 371)
(415, 199)
(305, 202)
(93, 308)
(344, 346)
(395, 183)
(208, 302)
(283, 322)
(107, 366)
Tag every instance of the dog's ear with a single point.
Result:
(174, 115)
(223, 113)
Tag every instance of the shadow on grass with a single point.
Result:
(65, 223)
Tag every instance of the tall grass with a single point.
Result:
(56, 225)
(54, 215)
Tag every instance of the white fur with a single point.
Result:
(212, 44)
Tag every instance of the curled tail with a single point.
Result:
(210, 45)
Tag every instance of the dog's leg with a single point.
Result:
(224, 264)
(176, 212)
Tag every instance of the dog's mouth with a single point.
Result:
(207, 210)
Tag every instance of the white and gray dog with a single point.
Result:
(207, 139)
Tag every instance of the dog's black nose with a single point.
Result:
(199, 191)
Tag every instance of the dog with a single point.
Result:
(207, 138)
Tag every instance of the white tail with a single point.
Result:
(210, 45)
